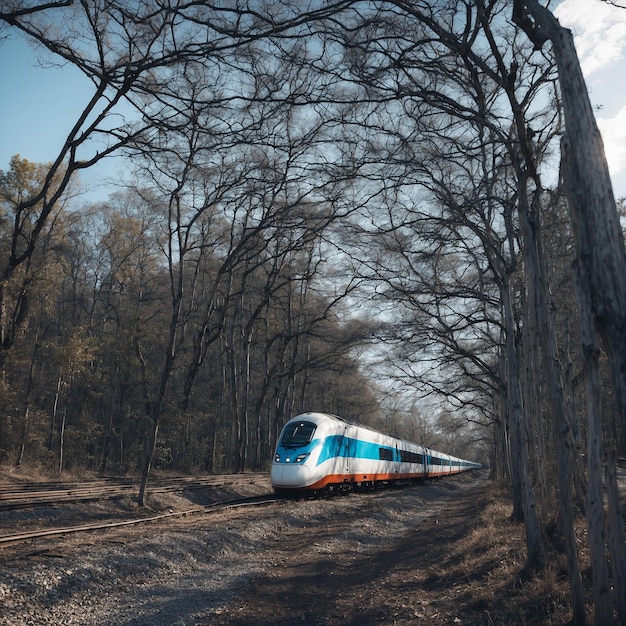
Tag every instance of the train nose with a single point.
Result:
(289, 475)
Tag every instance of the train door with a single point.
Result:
(396, 461)
(348, 449)
(426, 462)
(341, 460)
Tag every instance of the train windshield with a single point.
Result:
(298, 434)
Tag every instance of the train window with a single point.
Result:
(410, 457)
(298, 434)
(385, 454)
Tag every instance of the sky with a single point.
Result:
(38, 105)
(600, 37)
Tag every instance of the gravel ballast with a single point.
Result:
(184, 570)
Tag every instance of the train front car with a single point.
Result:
(294, 466)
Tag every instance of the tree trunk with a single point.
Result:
(55, 409)
(107, 442)
(595, 501)
(148, 458)
(154, 415)
(20, 456)
(27, 399)
(519, 452)
(532, 389)
(62, 438)
(601, 271)
(538, 299)
(616, 533)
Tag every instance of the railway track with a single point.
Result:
(40, 494)
(28, 536)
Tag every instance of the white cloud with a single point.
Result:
(600, 37)
(599, 31)
(613, 131)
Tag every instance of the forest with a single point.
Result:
(398, 212)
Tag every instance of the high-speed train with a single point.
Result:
(319, 453)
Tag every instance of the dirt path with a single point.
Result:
(315, 581)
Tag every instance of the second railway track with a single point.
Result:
(32, 495)
(41, 515)
(24, 537)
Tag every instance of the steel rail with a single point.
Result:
(42, 494)
(67, 530)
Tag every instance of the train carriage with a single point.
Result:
(318, 452)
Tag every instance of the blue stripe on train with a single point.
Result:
(340, 446)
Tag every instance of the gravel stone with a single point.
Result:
(181, 571)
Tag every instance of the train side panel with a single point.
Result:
(359, 455)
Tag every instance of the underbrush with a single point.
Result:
(489, 562)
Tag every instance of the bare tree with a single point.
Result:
(601, 273)
(133, 58)
(432, 110)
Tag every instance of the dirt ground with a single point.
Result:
(462, 565)
(442, 552)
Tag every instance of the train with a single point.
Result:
(319, 453)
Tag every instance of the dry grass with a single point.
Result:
(486, 569)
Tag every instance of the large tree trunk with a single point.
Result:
(539, 300)
(616, 531)
(601, 274)
(521, 478)
(595, 500)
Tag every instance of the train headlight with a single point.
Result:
(288, 459)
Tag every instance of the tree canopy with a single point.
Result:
(399, 212)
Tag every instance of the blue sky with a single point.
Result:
(39, 105)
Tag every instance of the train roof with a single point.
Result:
(319, 414)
